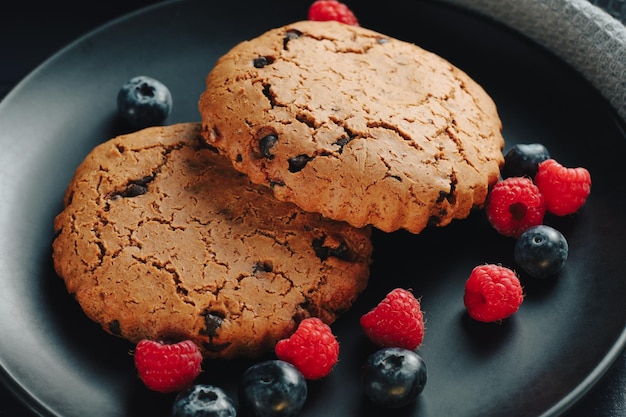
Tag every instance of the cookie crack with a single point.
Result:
(287, 290)
(160, 220)
(307, 118)
(390, 169)
(135, 187)
(281, 242)
(270, 95)
(342, 140)
(181, 290)
(212, 256)
(452, 135)
(379, 124)
(358, 50)
(451, 129)
(99, 241)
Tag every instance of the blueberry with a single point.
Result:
(523, 160)
(272, 388)
(144, 101)
(541, 251)
(203, 401)
(393, 377)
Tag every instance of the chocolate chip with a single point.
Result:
(297, 163)
(262, 61)
(324, 251)
(341, 252)
(320, 251)
(276, 183)
(263, 266)
(134, 188)
(450, 196)
(289, 36)
(308, 308)
(341, 142)
(144, 181)
(434, 220)
(115, 328)
(213, 321)
(266, 144)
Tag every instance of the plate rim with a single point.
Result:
(31, 401)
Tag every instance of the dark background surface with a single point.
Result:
(32, 33)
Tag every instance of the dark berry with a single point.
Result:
(394, 377)
(541, 251)
(203, 401)
(144, 101)
(523, 160)
(273, 388)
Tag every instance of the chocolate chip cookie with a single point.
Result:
(356, 125)
(161, 238)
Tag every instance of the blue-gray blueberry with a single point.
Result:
(144, 101)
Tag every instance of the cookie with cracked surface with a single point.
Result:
(161, 238)
(354, 124)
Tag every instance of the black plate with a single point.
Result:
(567, 333)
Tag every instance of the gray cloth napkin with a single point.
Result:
(616, 8)
(582, 34)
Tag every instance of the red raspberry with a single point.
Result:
(492, 293)
(312, 348)
(332, 10)
(167, 367)
(564, 189)
(514, 205)
(397, 321)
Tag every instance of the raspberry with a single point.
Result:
(332, 10)
(492, 293)
(564, 189)
(514, 205)
(312, 348)
(167, 367)
(397, 321)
